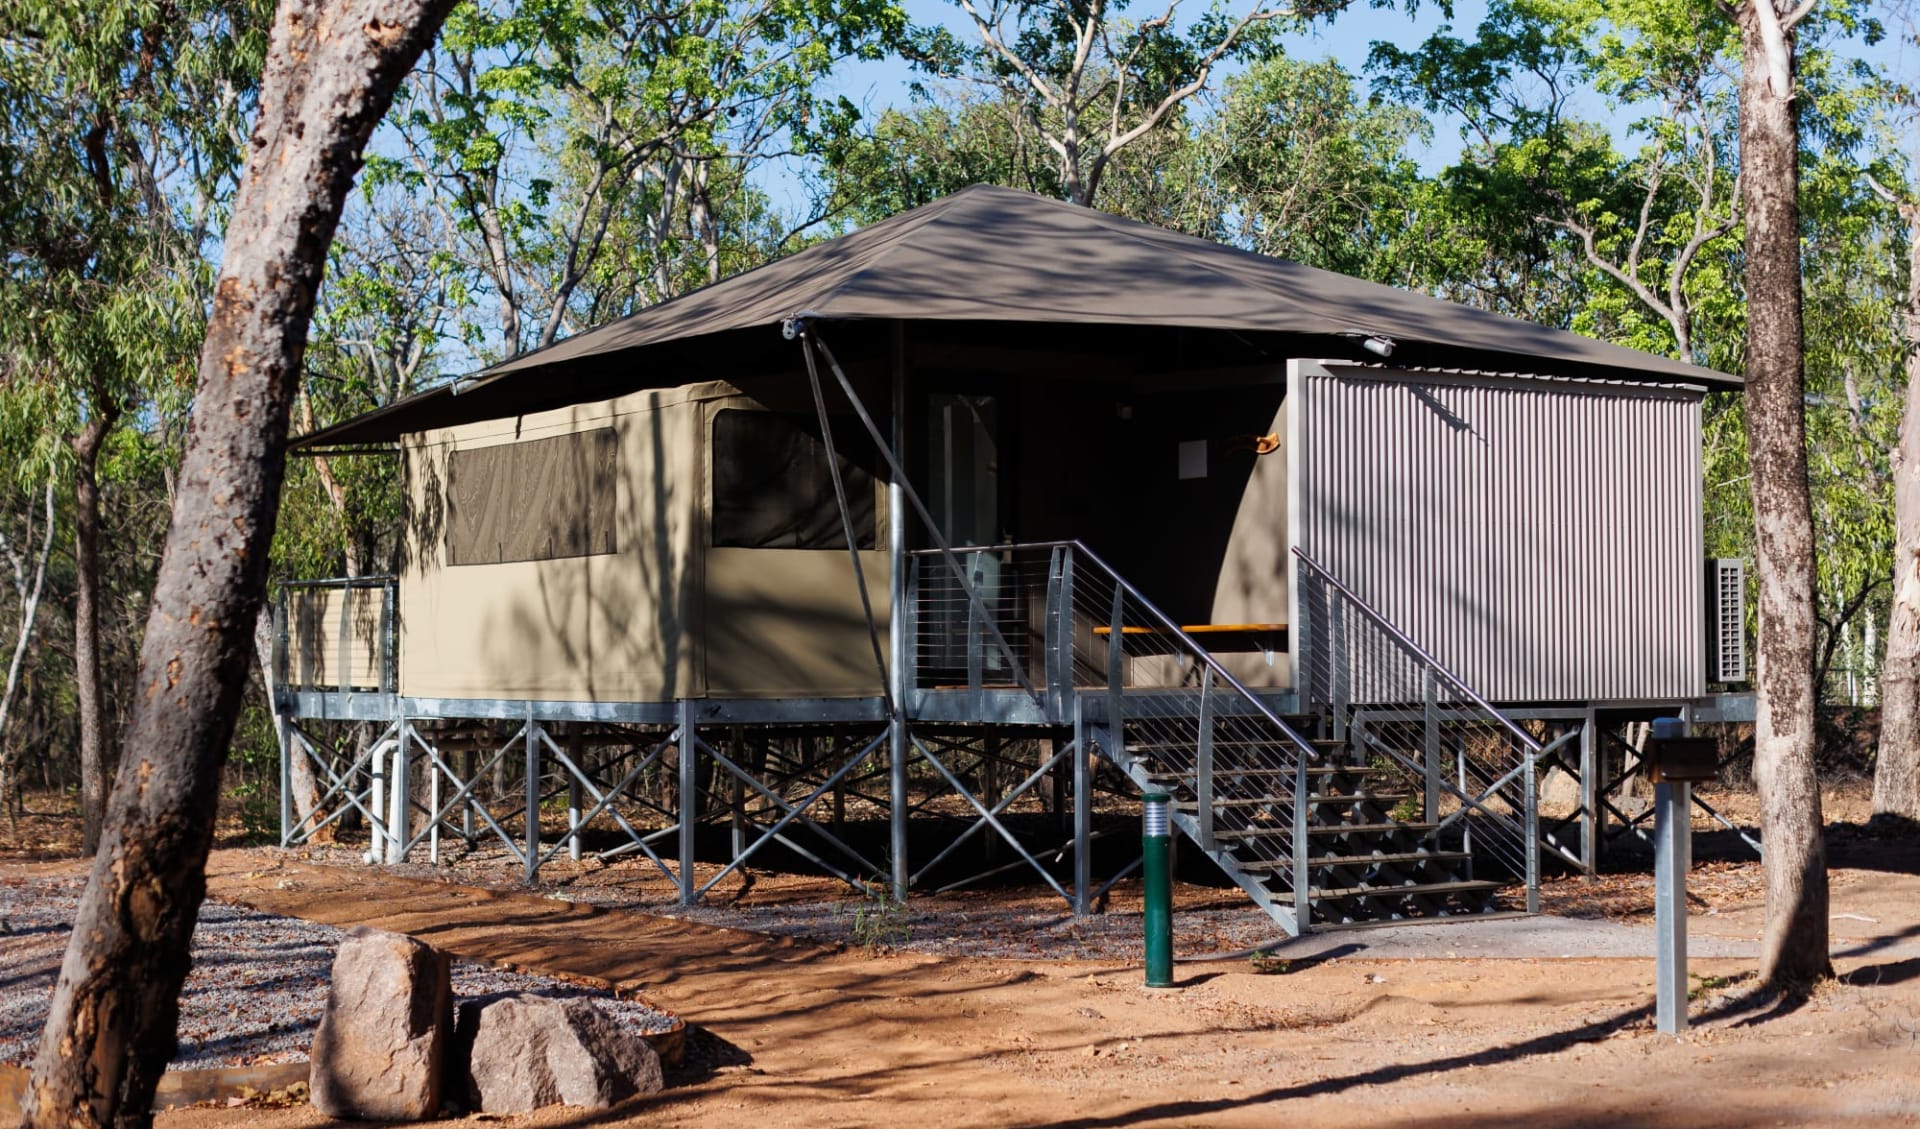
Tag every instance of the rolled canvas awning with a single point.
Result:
(989, 254)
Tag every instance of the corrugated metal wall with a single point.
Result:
(1542, 538)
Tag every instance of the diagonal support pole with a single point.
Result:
(974, 802)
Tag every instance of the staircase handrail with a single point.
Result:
(1459, 685)
(1166, 622)
(1193, 645)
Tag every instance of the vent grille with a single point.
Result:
(1726, 620)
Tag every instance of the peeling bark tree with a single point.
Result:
(1794, 945)
(329, 77)
(1896, 771)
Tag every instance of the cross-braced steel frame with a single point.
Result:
(700, 794)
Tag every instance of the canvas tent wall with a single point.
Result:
(571, 555)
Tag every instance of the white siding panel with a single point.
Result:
(1542, 538)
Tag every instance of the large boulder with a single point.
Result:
(380, 1051)
(521, 1052)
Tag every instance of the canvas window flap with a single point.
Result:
(543, 499)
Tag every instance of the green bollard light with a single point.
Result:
(1156, 843)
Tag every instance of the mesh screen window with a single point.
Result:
(541, 500)
(771, 487)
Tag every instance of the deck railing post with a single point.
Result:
(1055, 615)
(389, 673)
(1302, 881)
(281, 664)
(1339, 664)
(1531, 777)
(1430, 756)
(1203, 760)
(344, 646)
(976, 659)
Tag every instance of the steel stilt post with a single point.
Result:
(533, 799)
(898, 644)
(689, 800)
(281, 734)
(1082, 814)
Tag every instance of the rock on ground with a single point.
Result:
(521, 1052)
(380, 1050)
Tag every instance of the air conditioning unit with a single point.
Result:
(1726, 620)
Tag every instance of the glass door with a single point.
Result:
(963, 478)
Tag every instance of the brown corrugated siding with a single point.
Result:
(1542, 538)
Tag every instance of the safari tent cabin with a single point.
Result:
(644, 513)
(1001, 502)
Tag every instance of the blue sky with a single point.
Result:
(1347, 37)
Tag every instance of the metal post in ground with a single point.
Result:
(1672, 858)
(1155, 839)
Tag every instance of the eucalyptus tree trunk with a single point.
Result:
(1794, 943)
(27, 587)
(86, 626)
(1896, 770)
(331, 70)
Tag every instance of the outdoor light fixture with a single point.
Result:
(1155, 806)
(1379, 344)
(1156, 870)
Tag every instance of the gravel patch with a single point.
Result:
(258, 985)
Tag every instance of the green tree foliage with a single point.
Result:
(117, 141)
(538, 131)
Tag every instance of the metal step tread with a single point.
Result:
(1218, 772)
(1286, 829)
(1387, 799)
(1367, 828)
(1396, 858)
(1423, 889)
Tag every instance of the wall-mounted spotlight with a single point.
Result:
(1379, 344)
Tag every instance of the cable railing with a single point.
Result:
(1473, 771)
(1183, 723)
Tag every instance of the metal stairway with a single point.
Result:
(1371, 785)
(1363, 863)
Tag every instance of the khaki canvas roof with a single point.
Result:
(989, 254)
